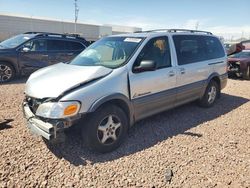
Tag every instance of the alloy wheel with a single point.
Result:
(5, 73)
(212, 94)
(109, 130)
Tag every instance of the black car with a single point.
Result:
(25, 53)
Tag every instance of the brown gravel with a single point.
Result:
(202, 147)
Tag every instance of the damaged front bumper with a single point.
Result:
(46, 129)
(234, 68)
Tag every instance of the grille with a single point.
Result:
(33, 103)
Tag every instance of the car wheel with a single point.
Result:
(210, 95)
(246, 76)
(105, 129)
(7, 72)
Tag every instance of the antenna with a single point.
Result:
(76, 13)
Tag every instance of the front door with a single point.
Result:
(153, 91)
(33, 55)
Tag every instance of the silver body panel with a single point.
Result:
(146, 93)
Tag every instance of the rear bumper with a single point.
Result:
(37, 126)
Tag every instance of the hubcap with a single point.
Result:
(5, 73)
(212, 94)
(109, 130)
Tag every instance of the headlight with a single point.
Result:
(57, 110)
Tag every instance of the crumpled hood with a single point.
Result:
(56, 79)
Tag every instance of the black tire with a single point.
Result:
(206, 101)
(94, 137)
(7, 72)
(246, 75)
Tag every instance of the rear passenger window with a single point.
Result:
(192, 48)
(57, 45)
(75, 46)
(189, 49)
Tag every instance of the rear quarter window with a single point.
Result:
(196, 48)
(74, 46)
(56, 45)
(214, 48)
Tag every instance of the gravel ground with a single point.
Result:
(202, 147)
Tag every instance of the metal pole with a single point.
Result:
(76, 13)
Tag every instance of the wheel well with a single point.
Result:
(217, 80)
(11, 64)
(120, 103)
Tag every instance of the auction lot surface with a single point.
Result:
(203, 148)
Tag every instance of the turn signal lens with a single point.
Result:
(71, 109)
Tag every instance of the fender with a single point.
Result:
(116, 97)
(211, 76)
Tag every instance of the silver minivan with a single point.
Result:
(121, 79)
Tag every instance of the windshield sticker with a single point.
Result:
(137, 40)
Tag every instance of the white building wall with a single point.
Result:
(11, 25)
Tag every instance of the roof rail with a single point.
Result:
(174, 31)
(56, 34)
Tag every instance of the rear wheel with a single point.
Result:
(105, 129)
(7, 72)
(210, 95)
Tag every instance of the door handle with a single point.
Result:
(44, 55)
(69, 54)
(182, 71)
(171, 73)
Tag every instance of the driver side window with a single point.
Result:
(157, 50)
(36, 45)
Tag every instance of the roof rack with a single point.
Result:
(55, 34)
(175, 31)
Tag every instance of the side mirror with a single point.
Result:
(145, 65)
(25, 49)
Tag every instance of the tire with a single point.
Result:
(105, 129)
(246, 75)
(7, 72)
(210, 95)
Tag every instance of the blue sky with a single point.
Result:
(223, 17)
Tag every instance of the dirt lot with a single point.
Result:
(203, 148)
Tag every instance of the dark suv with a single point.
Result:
(25, 53)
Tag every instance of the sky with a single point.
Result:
(227, 18)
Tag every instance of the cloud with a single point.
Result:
(228, 32)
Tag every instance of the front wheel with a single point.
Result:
(7, 72)
(105, 129)
(210, 95)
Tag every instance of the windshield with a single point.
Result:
(241, 55)
(15, 41)
(109, 52)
